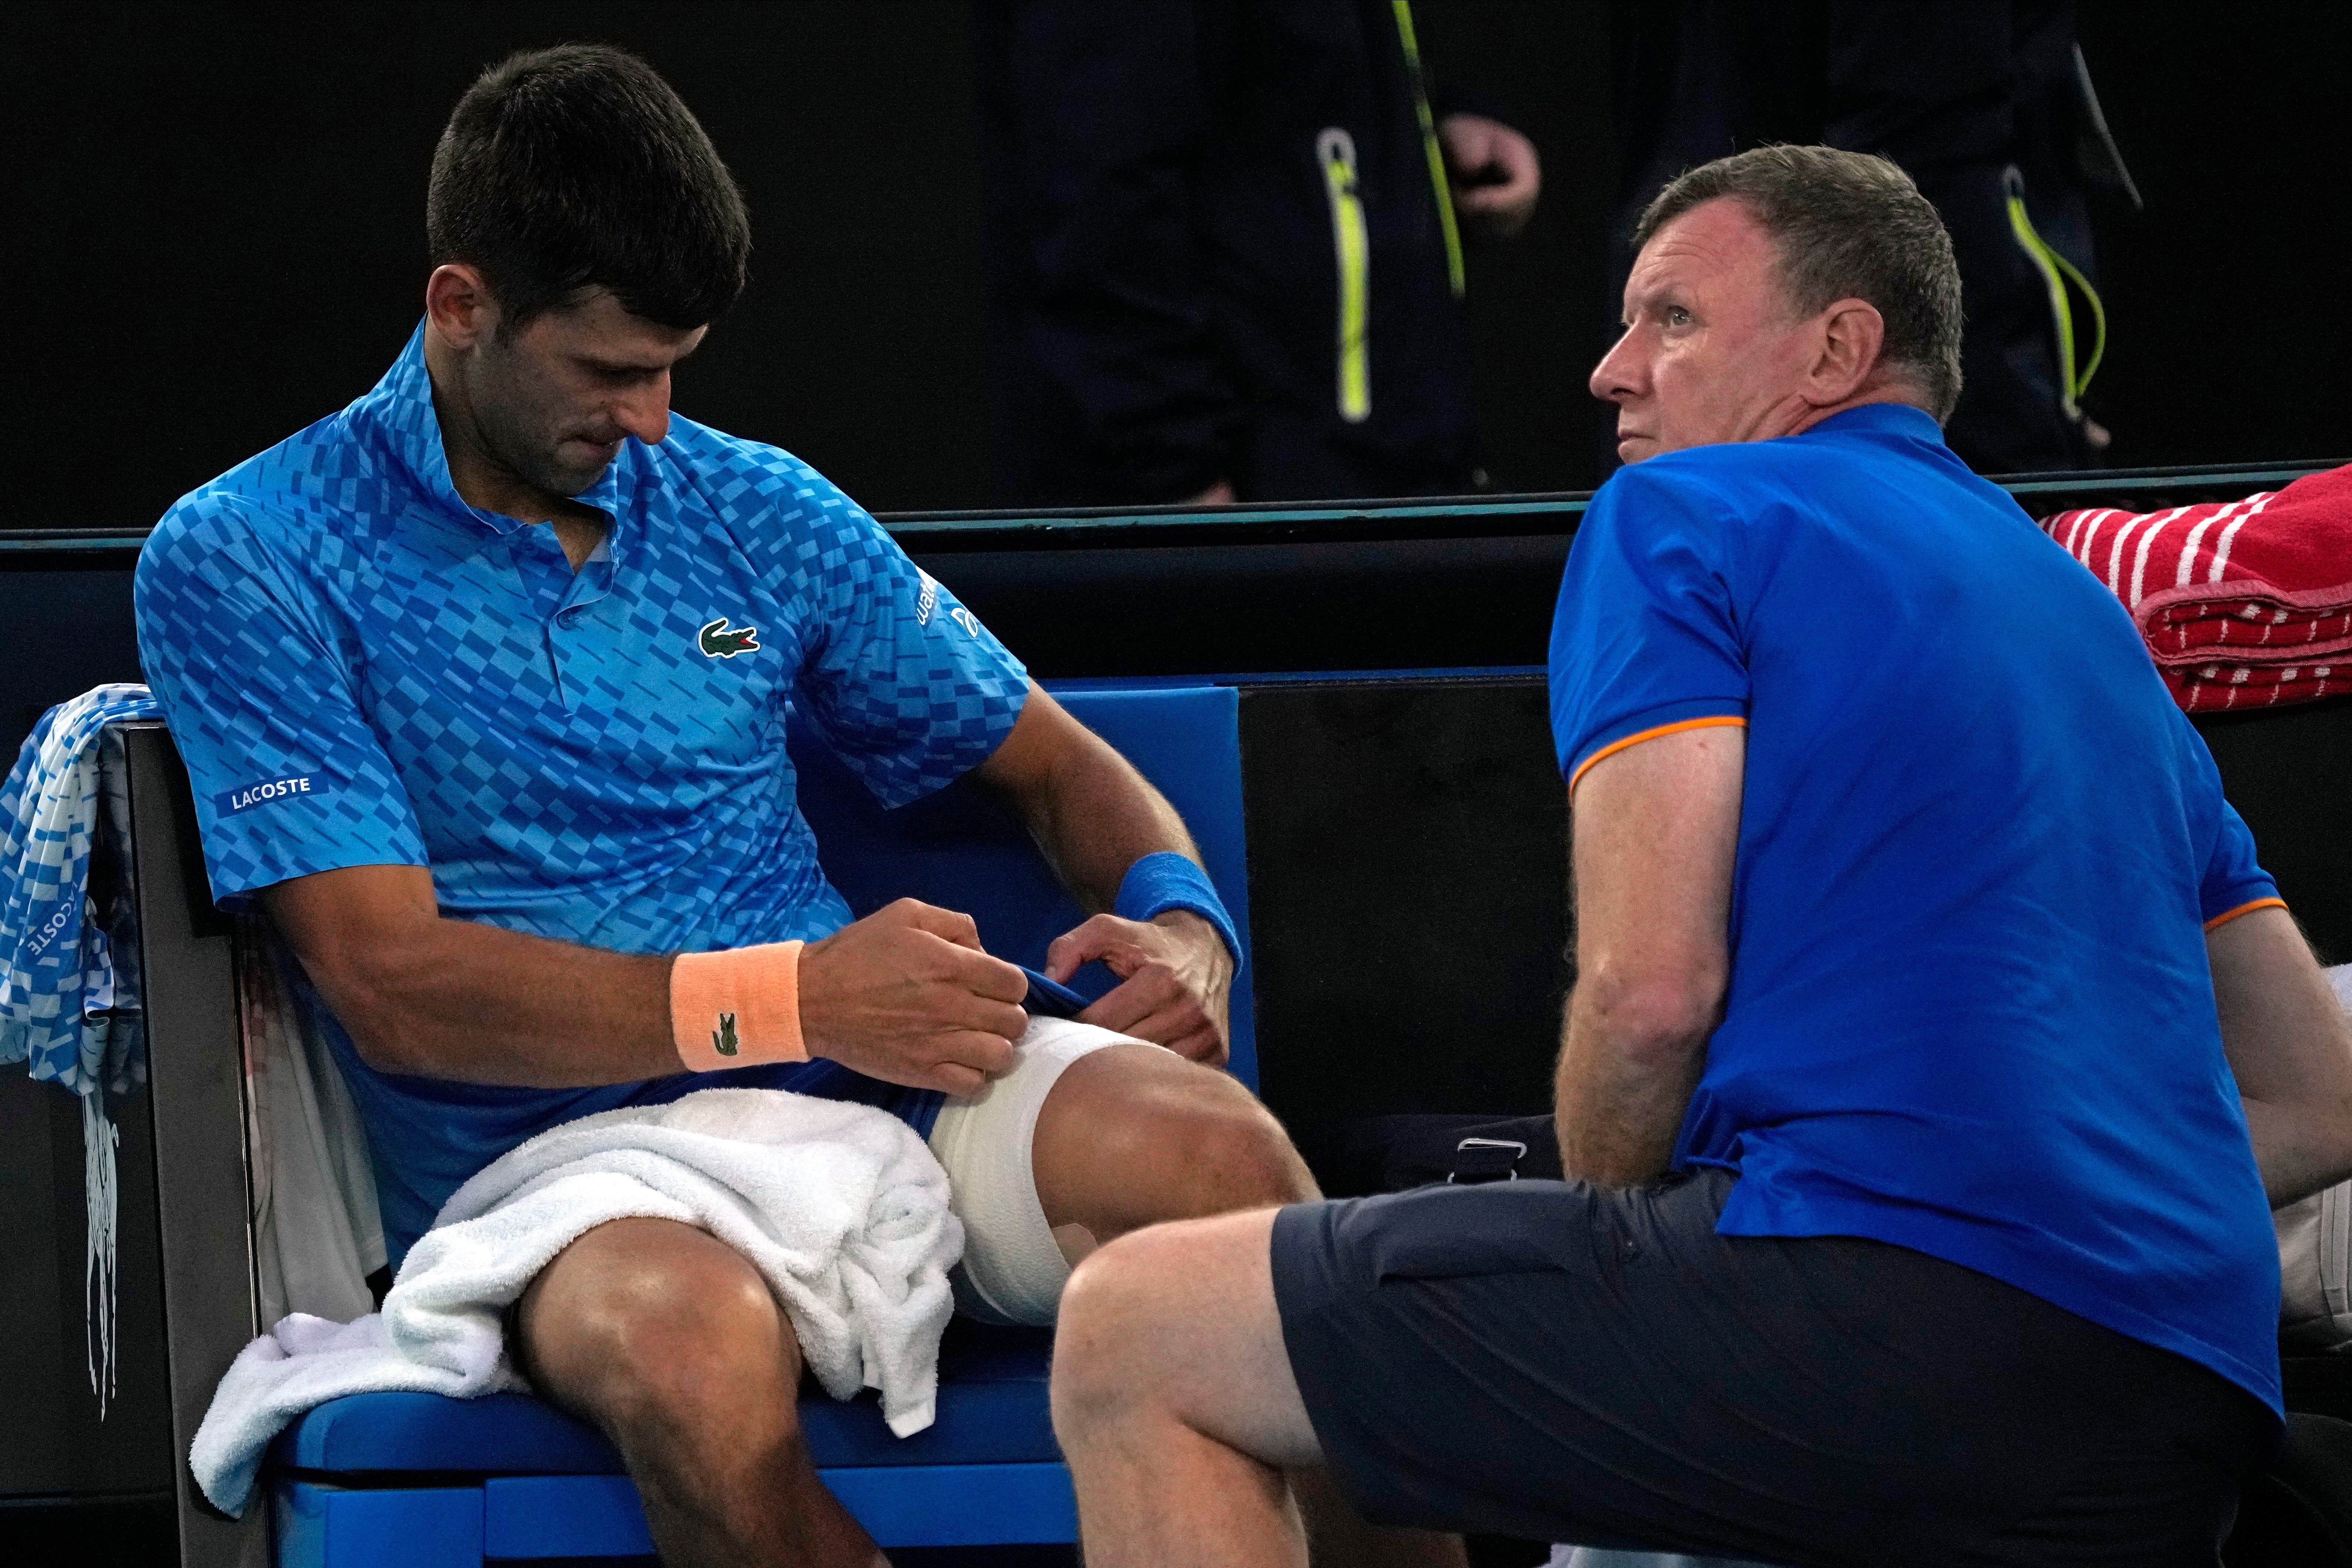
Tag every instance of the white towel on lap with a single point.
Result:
(840, 1207)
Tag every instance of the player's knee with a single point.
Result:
(677, 1341)
(1235, 1154)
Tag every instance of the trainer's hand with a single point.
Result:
(1175, 980)
(1496, 174)
(908, 995)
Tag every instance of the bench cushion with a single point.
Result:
(991, 1411)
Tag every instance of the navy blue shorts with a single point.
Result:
(1551, 1361)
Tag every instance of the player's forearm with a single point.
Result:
(476, 1003)
(1102, 820)
(1628, 1063)
(1092, 815)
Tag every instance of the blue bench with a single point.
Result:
(421, 1482)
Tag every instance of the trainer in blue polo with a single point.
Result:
(1970, 1009)
(360, 668)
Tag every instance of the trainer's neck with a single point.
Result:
(1799, 416)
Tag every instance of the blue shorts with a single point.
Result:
(428, 1136)
(1552, 1361)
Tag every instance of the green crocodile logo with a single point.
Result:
(722, 1038)
(720, 642)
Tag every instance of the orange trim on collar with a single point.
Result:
(2226, 916)
(1613, 747)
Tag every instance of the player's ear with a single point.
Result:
(458, 301)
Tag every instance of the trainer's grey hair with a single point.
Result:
(1849, 227)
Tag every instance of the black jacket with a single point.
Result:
(1171, 188)
(1959, 93)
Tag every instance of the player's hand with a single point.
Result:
(908, 995)
(1175, 980)
(1496, 174)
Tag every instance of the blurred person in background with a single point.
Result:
(1225, 250)
(1986, 104)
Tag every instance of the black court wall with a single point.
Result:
(214, 229)
(1407, 835)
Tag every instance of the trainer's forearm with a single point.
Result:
(478, 1003)
(1626, 1071)
(2289, 1048)
(1655, 830)
(2298, 1152)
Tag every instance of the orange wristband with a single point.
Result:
(737, 1008)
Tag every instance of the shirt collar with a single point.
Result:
(400, 410)
(1884, 419)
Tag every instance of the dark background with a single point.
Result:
(214, 229)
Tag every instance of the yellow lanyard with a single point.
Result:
(1453, 274)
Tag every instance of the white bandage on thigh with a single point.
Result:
(1013, 1270)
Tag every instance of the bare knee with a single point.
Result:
(1106, 1315)
(1229, 1153)
(1201, 1146)
(667, 1326)
(1172, 1330)
(1132, 1137)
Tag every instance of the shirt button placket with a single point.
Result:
(563, 621)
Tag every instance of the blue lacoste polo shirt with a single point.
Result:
(1970, 1010)
(360, 668)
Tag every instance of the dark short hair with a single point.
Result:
(1849, 227)
(576, 167)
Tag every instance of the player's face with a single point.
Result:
(1713, 351)
(554, 401)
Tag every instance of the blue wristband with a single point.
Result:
(1158, 883)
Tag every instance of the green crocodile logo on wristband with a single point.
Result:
(722, 1039)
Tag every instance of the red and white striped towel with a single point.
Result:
(2243, 604)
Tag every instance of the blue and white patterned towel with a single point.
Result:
(57, 977)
